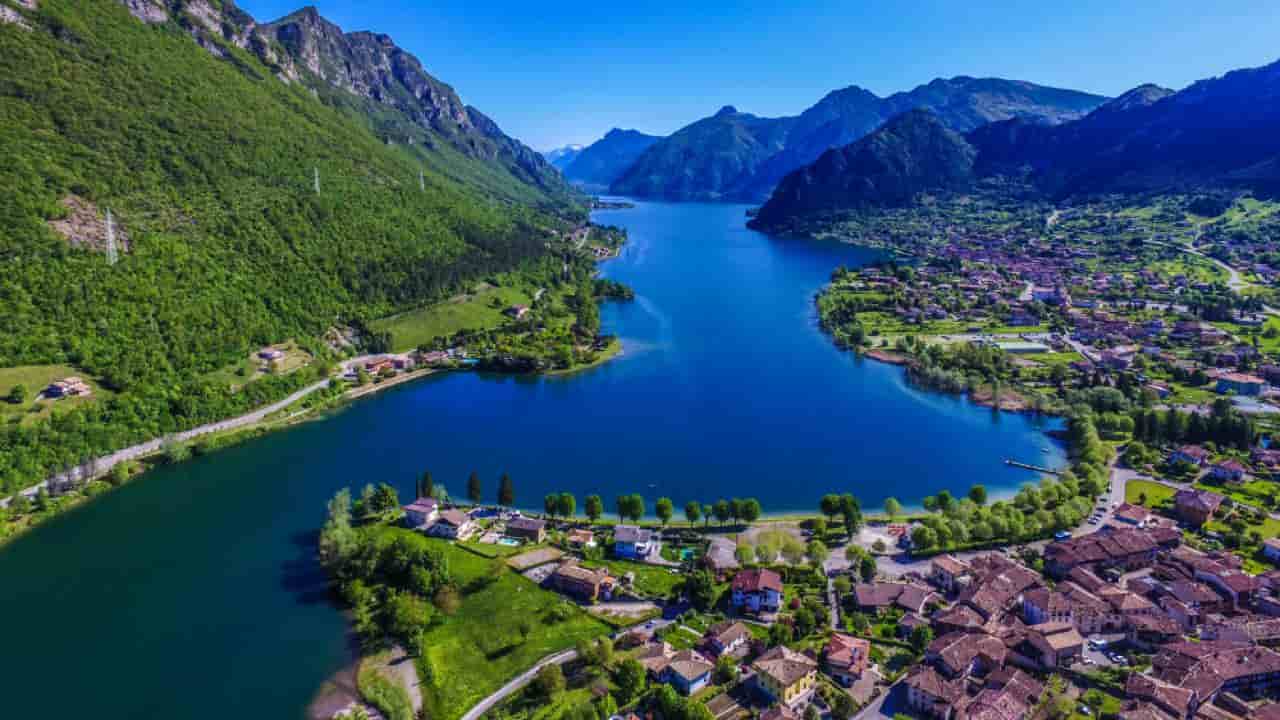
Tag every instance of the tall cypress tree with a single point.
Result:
(506, 491)
(427, 487)
(473, 487)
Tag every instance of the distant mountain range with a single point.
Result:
(738, 156)
(561, 157)
(1221, 132)
(602, 162)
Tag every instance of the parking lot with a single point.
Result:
(1099, 652)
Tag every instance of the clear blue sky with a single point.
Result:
(553, 73)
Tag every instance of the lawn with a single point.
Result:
(252, 367)
(650, 580)
(503, 627)
(1257, 493)
(478, 310)
(1157, 495)
(36, 378)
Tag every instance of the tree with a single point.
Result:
(744, 554)
(708, 511)
(506, 491)
(793, 551)
(17, 394)
(692, 511)
(923, 537)
(851, 514)
(426, 485)
(473, 488)
(726, 669)
(631, 679)
(550, 503)
(945, 501)
(750, 510)
(722, 511)
(780, 634)
(566, 505)
(663, 509)
(594, 507)
(830, 506)
(700, 586)
(385, 499)
(843, 585)
(817, 552)
(550, 680)
(892, 507)
(630, 507)
(867, 568)
(818, 527)
(978, 494)
(920, 638)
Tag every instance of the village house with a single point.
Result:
(68, 387)
(527, 529)
(945, 572)
(633, 542)
(452, 525)
(782, 712)
(580, 538)
(517, 311)
(846, 658)
(420, 513)
(1241, 384)
(727, 637)
(270, 353)
(1196, 507)
(1210, 668)
(1124, 548)
(377, 366)
(1136, 515)
(1055, 645)
(757, 591)
(932, 695)
(687, 672)
(585, 584)
(1190, 455)
(785, 676)
(961, 654)
(876, 597)
(1271, 549)
(1231, 470)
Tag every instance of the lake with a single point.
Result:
(193, 592)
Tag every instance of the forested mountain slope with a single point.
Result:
(207, 155)
(1218, 133)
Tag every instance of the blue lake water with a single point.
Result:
(193, 592)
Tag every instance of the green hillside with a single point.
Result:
(207, 166)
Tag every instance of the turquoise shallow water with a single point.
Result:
(193, 592)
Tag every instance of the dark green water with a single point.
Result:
(193, 592)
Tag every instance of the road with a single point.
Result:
(101, 466)
(518, 682)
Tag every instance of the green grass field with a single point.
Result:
(651, 580)
(474, 311)
(502, 628)
(252, 367)
(1156, 494)
(36, 378)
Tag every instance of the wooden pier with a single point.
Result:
(1028, 466)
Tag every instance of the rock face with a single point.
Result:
(305, 47)
(604, 161)
(913, 153)
(561, 157)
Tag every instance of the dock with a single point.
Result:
(1028, 466)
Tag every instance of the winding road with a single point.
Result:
(103, 465)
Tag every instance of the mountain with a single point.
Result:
(843, 116)
(910, 154)
(702, 160)
(604, 160)
(265, 182)
(561, 157)
(1220, 132)
(961, 103)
